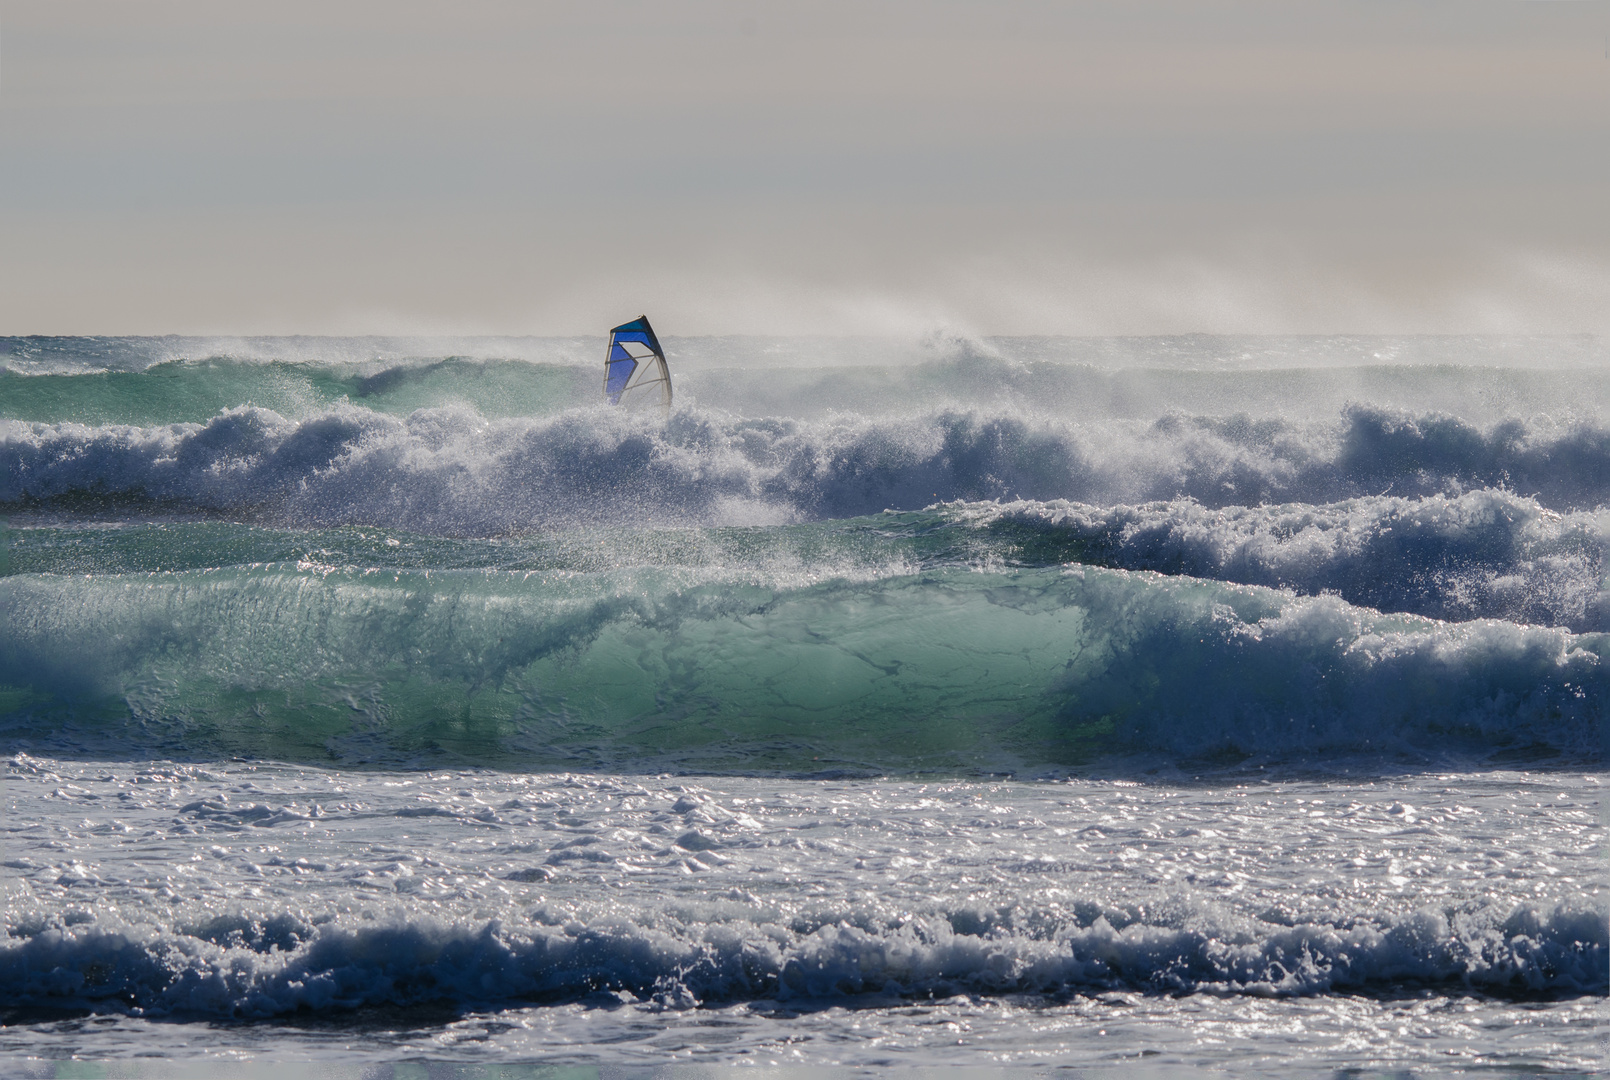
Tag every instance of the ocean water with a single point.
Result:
(1146, 705)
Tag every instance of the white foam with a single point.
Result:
(1483, 554)
(449, 470)
(149, 969)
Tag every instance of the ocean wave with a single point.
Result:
(943, 670)
(46, 355)
(1214, 353)
(185, 391)
(453, 471)
(278, 964)
(1484, 554)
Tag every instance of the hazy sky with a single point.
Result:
(746, 166)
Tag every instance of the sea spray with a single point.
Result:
(451, 470)
(992, 700)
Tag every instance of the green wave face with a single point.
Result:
(194, 392)
(644, 668)
(810, 551)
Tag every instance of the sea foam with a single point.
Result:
(453, 471)
(265, 967)
(1483, 554)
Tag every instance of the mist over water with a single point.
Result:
(1229, 701)
(1057, 675)
(348, 521)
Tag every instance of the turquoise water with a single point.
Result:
(391, 704)
(904, 643)
(978, 556)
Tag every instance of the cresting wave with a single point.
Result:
(417, 554)
(1484, 554)
(274, 965)
(943, 670)
(453, 471)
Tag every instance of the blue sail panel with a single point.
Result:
(616, 375)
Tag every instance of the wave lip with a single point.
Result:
(1483, 554)
(215, 969)
(453, 471)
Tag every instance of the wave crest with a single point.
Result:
(658, 959)
(1484, 554)
(452, 471)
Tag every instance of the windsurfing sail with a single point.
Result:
(634, 369)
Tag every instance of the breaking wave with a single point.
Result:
(943, 670)
(245, 966)
(1484, 554)
(453, 471)
(803, 563)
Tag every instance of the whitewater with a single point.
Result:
(1151, 703)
